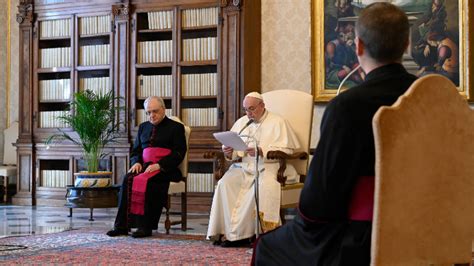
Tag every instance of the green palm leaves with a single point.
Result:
(94, 120)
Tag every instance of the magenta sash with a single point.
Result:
(361, 207)
(153, 155)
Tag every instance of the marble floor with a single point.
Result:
(27, 220)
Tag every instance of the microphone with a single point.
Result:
(345, 78)
(246, 125)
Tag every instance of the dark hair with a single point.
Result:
(384, 30)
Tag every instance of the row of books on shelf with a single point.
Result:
(49, 119)
(55, 28)
(154, 85)
(200, 17)
(157, 20)
(99, 85)
(94, 25)
(54, 178)
(200, 182)
(199, 117)
(200, 49)
(196, 182)
(160, 20)
(142, 117)
(91, 55)
(199, 84)
(98, 90)
(55, 57)
(155, 51)
(194, 117)
(55, 89)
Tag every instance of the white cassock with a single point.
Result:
(233, 206)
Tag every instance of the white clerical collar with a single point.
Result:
(265, 114)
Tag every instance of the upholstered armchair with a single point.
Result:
(297, 108)
(8, 168)
(424, 179)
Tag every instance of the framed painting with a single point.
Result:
(439, 43)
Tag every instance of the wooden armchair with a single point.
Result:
(179, 188)
(297, 108)
(424, 181)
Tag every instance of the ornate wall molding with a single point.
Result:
(25, 12)
(121, 12)
(235, 3)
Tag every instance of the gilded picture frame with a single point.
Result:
(434, 23)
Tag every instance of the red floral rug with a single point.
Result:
(87, 246)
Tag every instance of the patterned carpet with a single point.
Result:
(93, 247)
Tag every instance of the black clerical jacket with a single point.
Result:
(346, 148)
(169, 134)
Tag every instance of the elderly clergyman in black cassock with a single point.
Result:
(334, 218)
(159, 148)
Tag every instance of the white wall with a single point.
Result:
(8, 66)
(14, 62)
(286, 50)
(3, 71)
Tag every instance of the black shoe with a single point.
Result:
(117, 232)
(216, 240)
(141, 232)
(243, 243)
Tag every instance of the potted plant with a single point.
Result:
(94, 120)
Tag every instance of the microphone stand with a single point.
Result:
(257, 175)
(344, 80)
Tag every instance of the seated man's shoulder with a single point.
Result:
(276, 118)
(144, 124)
(176, 124)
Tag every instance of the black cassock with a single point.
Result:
(168, 134)
(321, 233)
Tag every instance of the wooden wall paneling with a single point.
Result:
(25, 154)
(237, 68)
(121, 55)
(230, 66)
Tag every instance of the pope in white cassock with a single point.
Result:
(233, 206)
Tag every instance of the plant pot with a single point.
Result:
(92, 190)
(93, 180)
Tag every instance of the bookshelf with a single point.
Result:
(200, 56)
(53, 66)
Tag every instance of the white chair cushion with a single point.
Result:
(177, 187)
(9, 151)
(7, 170)
(290, 195)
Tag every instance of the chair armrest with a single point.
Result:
(282, 158)
(220, 164)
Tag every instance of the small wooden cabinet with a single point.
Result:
(201, 56)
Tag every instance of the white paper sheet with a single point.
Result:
(231, 139)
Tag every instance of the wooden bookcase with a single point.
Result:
(201, 56)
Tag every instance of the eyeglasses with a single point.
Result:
(250, 109)
(155, 111)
